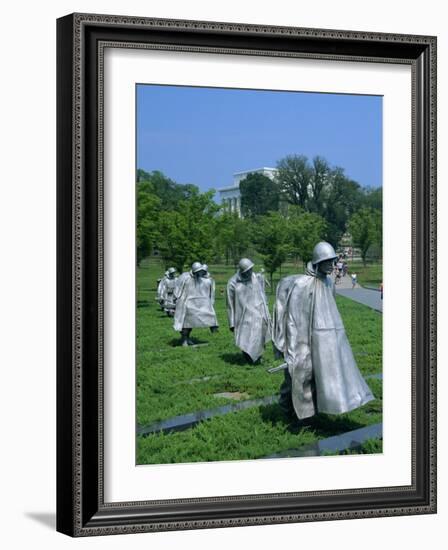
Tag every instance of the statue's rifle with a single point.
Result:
(283, 366)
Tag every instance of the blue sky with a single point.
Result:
(204, 135)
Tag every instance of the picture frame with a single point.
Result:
(81, 506)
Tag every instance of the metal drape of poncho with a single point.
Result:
(308, 330)
(195, 297)
(167, 292)
(248, 313)
(160, 289)
(263, 281)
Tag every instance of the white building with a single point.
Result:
(231, 197)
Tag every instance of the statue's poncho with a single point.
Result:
(308, 330)
(160, 289)
(248, 313)
(194, 298)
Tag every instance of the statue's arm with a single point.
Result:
(297, 337)
(212, 291)
(179, 288)
(231, 304)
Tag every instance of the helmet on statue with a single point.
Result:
(197, 266)
(323, 251)
(245, 264)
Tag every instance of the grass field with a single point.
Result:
(172, 380)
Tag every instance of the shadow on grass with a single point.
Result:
(323, 425)
(235, 359)
(142, 303)
(177, 342)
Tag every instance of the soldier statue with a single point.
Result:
(168, 285)
(247, 311)
(194, 297)
(160, 284)
(321, 374)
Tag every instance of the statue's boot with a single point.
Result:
(185, 340)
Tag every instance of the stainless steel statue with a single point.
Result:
(160, 283)
(247, 311)
(194, 297)
(321, 374)
(166, 292)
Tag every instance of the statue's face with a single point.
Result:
(246, 275)
(200, 273)
(325, 267)
(171, 275)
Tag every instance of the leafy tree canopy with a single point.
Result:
(272, 240)
(187, 234)
(233, 236)
(259, 195)
(306, 229)
(168, 191)
(294, 176)
(373, 197)
(365, 229)
(148, 211)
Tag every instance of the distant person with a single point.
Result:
(337, 279)
(247, 311)
(194, 297)
(354, 278)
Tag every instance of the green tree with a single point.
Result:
(187, 234)
(365, 229)
(294, 175)
(272, 240)
(319, 184)
(373, 197)
(169, 192)
(148, 211)
(232, 236)
(378, 232)
(259, 195)
(319, 188)
(344, 198)
(306, 229)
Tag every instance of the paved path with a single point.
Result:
(366, 296)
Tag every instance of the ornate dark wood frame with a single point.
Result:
(81, 39)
